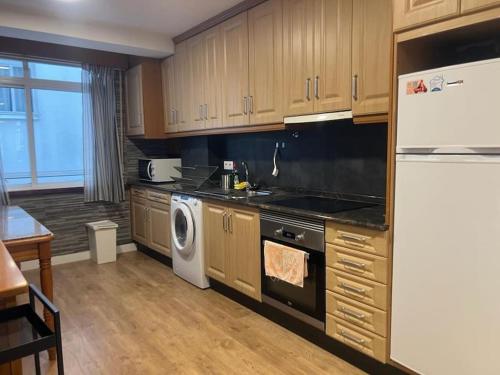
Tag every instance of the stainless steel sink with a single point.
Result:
(238, 194)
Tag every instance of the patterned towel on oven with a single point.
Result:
(285, 263)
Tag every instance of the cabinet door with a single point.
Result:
(332, 55)
(470, 5)
(265, 29)
(195, 55)
(212, 75)
(371, 50)
(244, 252)
(133, 88)
(183, 87)
(139, 221)
(408, 13)
(169, 96)
(159, 227)
(215, 235)
(234, 34)
(298, 39)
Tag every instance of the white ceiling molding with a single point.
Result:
(42, 28)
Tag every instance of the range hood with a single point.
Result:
(318, 117)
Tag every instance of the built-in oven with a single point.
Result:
(305, 303)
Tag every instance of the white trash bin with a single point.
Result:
(102, 241)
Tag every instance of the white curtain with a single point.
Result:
(4, 193)
(103, 180)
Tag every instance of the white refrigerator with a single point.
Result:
(446, 276)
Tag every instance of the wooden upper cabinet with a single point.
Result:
(298, 43)
(235, 105)
(195, 53)
(183, 87)
(244, 249)
(472, 5)
(215, 240)
(169, 93)
(265, 30)
(144, 99)
(212, 77)
(371, 50)
(332, 55)
(133, 88)
(409, 13)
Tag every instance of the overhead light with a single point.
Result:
(3, 67)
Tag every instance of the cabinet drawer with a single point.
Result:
(357, 313)
(358, 338)
(157, 196)
(357, 263)
(357, 288)
(357, 238)
(138, 192)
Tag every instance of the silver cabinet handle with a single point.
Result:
(224, 221)
(206, 111)
(352, 236)
(351, 263)
(350, 337)
(352, 313)
(245, 105)
(251, 104)
(230, 220)
(349, 288)
(158, 196)
(200, 111)
(355, 87)
(308, 89)
(316, 87)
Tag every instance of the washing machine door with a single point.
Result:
(183, 229)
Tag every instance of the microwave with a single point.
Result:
(159, 170)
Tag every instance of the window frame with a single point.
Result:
(27, 83)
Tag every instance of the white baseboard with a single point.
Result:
(75, 257)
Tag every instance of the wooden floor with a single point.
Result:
(136, 317)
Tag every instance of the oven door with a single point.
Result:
(307, 303)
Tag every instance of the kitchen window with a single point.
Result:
(41, 130)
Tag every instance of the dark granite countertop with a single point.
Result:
(369, 217)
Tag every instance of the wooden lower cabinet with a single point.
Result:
(357, 290)
(159, 227)
(232, 247)
(139, 220)
(215, 240)
(150, 218)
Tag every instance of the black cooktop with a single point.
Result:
(321, 204)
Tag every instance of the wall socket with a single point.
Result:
(228, 165)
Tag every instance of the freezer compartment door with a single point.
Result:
(455, 107)
(446, 277)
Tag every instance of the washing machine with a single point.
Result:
(187, 239)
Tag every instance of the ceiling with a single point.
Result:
(158, 18)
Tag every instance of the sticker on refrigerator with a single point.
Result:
(416, 87)
(436, 84)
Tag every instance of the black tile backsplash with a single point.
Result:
(335, 157)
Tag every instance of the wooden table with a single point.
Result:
(26, 239)
(12, 283)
